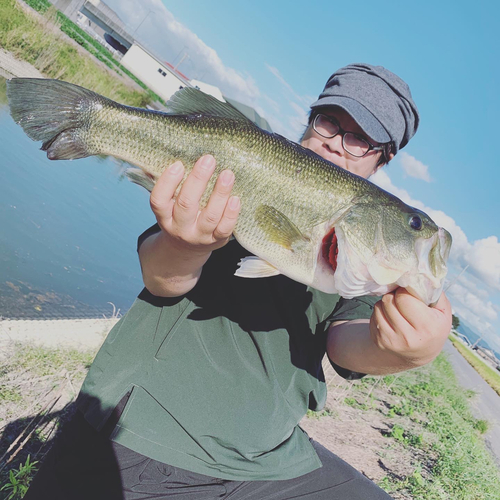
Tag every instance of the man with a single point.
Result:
(198, 391)
(374, 105)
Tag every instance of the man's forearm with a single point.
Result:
(350, 346)
(168, 270)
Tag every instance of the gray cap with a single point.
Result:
(378, 100)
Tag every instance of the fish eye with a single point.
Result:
(416, 222)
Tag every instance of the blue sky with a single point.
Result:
(276, 56)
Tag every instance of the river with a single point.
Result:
(68, 231)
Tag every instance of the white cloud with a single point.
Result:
(484, 258)
(470, 294)
(165, 36)
(482, 308)
(304, 99)
(272, 104)
(475, 286)
(294, 123)
(480, 326)
(382, 179)
(413, 167)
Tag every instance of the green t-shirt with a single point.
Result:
(220, 378)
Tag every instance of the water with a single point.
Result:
(68, 231)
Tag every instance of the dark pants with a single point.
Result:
(85, 465)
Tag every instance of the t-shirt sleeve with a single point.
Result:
(155, 228)
(357, 308)
(347, 310)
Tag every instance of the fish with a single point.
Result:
(301, 215)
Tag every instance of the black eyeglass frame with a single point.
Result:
(342, 132)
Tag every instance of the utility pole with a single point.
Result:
(180, 62)
(145, 17)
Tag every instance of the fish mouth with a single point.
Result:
(354, 275)
(432, 254)
(330, 248)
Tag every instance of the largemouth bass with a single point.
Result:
(301, 215)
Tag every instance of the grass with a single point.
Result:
(427, 411)
(3, 91)
(319, 414)
(490, 375)
(19, 480)
(37, 387)
(86, 41)
(41, 44)
(431, 415)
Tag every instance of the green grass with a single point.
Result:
(19, 479)
(3, 91)
(42, 361)
(86, 41)
(319, 414)
(432, 415)
(31, 380)
(490, 375)
(41, 44)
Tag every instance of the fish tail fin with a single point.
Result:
(54, 112)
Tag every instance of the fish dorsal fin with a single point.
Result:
(279, 228)
(191, 101)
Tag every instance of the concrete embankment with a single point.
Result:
(81, 334)
(11, 67)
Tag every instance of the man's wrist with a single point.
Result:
(351, 347)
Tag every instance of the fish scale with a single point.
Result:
(290, 197)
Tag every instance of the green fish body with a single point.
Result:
(291, 198)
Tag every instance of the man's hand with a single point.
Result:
(172, 260)
(189, 227)
(402, 333)
(404, 326)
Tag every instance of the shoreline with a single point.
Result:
(80, 334)
(11, 67)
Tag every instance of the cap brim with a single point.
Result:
(364, 118)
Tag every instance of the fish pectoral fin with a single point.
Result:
(279, 228)
(253, 267)
(139, 177)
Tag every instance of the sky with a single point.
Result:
(276, 56)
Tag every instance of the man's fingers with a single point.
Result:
(211, 215)
(443, 304)
(226, 225)
(161, 198)
(187, 204)
(394, 304)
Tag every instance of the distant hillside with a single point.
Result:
(473, 336)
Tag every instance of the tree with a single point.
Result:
(455, 322)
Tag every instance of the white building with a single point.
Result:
(104, 24)
(159, 76)
(208, 89)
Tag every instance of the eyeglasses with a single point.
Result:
(328, 127)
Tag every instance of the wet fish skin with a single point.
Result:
(290, 196)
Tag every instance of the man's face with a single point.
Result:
(332, 150)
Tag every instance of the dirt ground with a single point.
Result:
(350, 431)
(358, 436)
